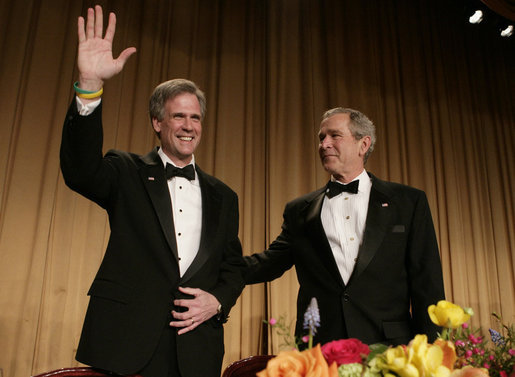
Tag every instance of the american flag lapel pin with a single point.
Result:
(151, 178)
(384, 205)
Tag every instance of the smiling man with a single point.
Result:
(365, 248)
(172, 268)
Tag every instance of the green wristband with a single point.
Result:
(82, 91)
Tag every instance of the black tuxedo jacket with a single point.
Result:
(396, 277)
(132, 294)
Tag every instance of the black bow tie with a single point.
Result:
(173, 171)
(335, 188)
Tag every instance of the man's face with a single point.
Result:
(341, 154)
(181, 128)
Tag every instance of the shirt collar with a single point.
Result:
(364, 181)
(167, 159)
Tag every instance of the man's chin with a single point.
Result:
(328, 167)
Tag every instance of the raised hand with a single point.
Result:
(95, 56)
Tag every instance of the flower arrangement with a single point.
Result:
(459, 351)
(496, 356)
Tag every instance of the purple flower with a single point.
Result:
(497, 338)
(312, 316)
(459, 343)
(468, 353)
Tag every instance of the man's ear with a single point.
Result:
(156, 125)
(365, 144)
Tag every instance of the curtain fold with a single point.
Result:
(439, 90)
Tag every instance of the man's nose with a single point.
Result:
(326, 143)
(188, 125)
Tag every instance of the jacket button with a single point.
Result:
(346, 297)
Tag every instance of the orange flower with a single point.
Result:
(449, 352)
(469, 371)
(308, 363)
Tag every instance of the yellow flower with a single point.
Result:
(446, 314)
(398, 360)
(418, 359)
(429, 358)
(308, 363)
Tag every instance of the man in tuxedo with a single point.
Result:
(365, 248)
(172, 268)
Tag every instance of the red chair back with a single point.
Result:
(247, 367)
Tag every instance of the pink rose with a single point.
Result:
(345, 351)
(272, 321)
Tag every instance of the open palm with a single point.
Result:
(95, 55)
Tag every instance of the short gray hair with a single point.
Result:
(360, 125)
(169, 90)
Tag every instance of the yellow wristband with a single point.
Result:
(86, 93)
(91, 95)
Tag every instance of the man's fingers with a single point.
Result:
(111, 27)
(99, 21)
(190, 291)
(185, 326)
(80, 29)
(125, 55)
(181, 316)
(183, 303)
(90, 29)
(185, 330)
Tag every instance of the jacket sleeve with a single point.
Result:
(230, 281)
(424, 269)
(84, 168)
(274, 262)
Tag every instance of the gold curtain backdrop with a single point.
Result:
(439, 90)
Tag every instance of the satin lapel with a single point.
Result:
(378, 218)
(315, 231)
(153, 177)
(211, 212)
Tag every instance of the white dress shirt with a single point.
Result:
(187, 214)
(343, 218)
(186, 204)
(88, 108)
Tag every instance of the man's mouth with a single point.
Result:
(185, 138)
